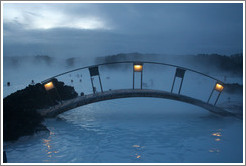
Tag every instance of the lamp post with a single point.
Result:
(49, 85)
(219, 88)
(138, 67)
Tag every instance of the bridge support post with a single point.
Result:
(95, 72)
(179, 73)
(180, 85)
(137, 67)
(218, 87)
(133, 80)
(142, 79)
(100, 82)
(93, 88)
(217, 99)
(174, 78)
(210, 95)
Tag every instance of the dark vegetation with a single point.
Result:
(120, 57)
(233, 63)
(203, 62)
(16, 61)
(234, 88)
(125, 57)
(43, 58)
(70, 62)
(20, 117)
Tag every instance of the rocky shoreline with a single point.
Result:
(20, 116)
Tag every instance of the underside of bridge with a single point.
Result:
(126, 93)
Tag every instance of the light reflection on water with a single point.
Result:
(138, 151)
(49, 150)
(140, 130)
(217, 136)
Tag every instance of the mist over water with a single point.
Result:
(131, 130)
(41, 40)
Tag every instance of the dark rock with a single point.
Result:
(40, 128)
(20, 117)
(4, 157)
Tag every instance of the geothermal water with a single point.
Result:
(131, 130)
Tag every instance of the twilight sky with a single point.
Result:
(80, 29)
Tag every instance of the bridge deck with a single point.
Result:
(126, 93)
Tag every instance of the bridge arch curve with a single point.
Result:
(134, 62)
(127, 93)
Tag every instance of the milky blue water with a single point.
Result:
(134, 130)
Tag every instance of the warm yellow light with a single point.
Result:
(217, 139)
(218, 134)
(219, 87)
(49, 86)
(138, 68)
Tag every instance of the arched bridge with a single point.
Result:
(136, 68)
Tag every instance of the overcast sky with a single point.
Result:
(69, 30)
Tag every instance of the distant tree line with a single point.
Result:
(233, 63)
(119, 57)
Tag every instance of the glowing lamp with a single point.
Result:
(219, 87)
(49, 86)
(138, 68)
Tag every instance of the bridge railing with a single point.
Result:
(139, 67)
